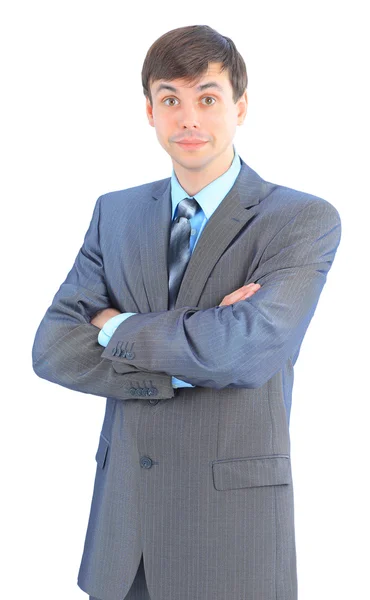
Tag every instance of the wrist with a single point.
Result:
(102, 316)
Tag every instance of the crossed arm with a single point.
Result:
(241, 344)
(246, 291)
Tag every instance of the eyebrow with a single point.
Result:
(200, 88)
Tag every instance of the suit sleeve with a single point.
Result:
(246, 343)
(66, 351)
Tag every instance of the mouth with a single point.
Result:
(191, 145)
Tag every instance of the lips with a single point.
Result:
(189, 145)
(191, 142)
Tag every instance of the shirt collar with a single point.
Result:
(212, 194)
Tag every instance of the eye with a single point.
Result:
(209, 98)
(205, 98)
(164, 101)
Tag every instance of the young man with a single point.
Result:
(159, 314)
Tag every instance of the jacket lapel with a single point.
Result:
(231, 215)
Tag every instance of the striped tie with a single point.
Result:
(179, 246)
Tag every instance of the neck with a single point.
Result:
(194, 180)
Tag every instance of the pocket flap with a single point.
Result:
(101, 454)
(251, 472)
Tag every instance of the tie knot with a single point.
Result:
(187, 208)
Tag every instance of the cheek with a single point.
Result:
(221, 126)
(160, 128)
(163, 126)
(219, 118)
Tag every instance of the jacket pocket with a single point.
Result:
(235, 473)
(102, 451)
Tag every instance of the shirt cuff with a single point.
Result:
(110, 327)
(176, 383)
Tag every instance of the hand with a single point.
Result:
(102, 316)
(246, 291)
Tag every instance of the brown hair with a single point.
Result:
(185, 53)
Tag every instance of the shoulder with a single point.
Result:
(118, 208)
(287, 203)
(134, 194)
(281, 203)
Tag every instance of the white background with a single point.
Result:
(74, 127)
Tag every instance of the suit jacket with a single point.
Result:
(198, 480)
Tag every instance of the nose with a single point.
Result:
(188, 116)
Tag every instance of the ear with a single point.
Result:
(242, 106)
(149, 111)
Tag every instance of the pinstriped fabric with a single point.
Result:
(197, 481)
(138, 589)
(251, 472)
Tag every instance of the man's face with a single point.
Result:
(196, 124)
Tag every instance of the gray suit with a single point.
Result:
(198, 480)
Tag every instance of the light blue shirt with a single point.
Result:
(208, 198)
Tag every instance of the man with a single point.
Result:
(193, 496)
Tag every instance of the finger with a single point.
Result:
(244, 288)
(237, 295)
(251, 287)
(249, 293)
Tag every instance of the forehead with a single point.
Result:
(212, 79)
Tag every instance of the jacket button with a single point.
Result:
(146, 462)
(130, 355)
(122, 354)
(153, 400)
(132, 390)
